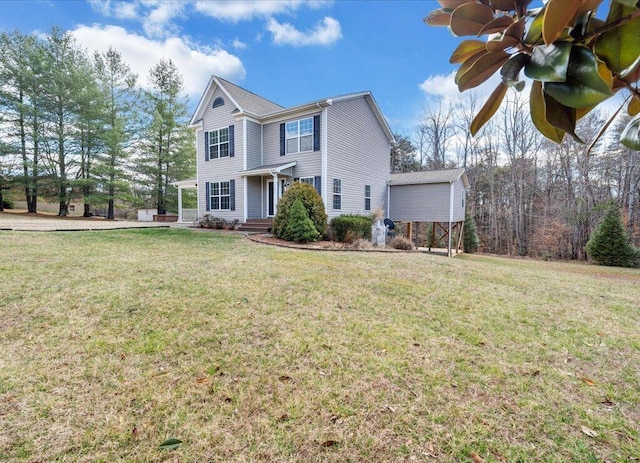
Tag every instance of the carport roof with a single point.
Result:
(430, 176)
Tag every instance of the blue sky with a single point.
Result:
(288, 51)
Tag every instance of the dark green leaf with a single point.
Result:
(585, 85)
(549, 63)
(560, 116)
(631, 135)
(631, 3)
(470, 18)
(620, 47)
(510, 72)
(171, 444)
(538, 109)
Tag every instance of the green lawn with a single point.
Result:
(112, 342)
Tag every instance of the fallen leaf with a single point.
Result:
(329, 443)
(535, 373)
(589, 432)
(608, 402)
(283, 418)
(134, 431)
(475, 457)
(588, 381)
(228, 400)
(171, 444)
(203, 380)
(600, 333)
(284, 378)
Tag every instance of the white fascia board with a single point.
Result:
(200, 108)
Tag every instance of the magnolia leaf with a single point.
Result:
(632, 3)
(470, 18)
(589, 432)
(585, 85)
(549, 63)
(503, 5)
(510, 72)
(499, 24)
(538, 110)
(558, 15)
(489, 108)
(483, 68)
(468, 63)
(466, 49)
(171, 444)
(534, 34)
(619, 47)
(510, 38)
(631, 134)
(634, 106)
(632, 73)
(453, 4)
(521, 7)
(560, 116)
(440, 17)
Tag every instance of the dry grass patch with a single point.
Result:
(113, 342)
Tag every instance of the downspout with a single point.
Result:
(450, 217)
(245, 161)
(323, 156)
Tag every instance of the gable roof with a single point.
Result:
(430, 177)
(244, 100)
(254, 105)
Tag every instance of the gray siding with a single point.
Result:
(223, 169)
(358, 153)
(254, 197)
(425, 202)
(254, 145)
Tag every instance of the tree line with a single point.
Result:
(528, 195)
(80, 126)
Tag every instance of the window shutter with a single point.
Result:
(296, 179)
(206, 148)
(207, 197)
(317, 183)
(282, 152)
(316, 133)
(232, 195)
(231, 143)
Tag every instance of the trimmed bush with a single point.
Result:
(311, 201)
(300, 227)
(609, 243)
(349, 228)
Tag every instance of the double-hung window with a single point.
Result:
(220, 196)
(367, 197)
(219, 143)
(299, 135)
(308, 180)
(337, 194)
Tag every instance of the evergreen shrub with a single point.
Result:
(470, 240)
(311, 201)
(349, 228)
(609, 244)
(300, 227)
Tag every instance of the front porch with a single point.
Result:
(264, 186)
(186, 215)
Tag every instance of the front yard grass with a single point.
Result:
(112, 342)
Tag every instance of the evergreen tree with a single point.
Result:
(609, 243)
(310, 199)
(470, 238)
(300, 227)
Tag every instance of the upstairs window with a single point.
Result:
(219, 143)
(218, 102)
(299, 135)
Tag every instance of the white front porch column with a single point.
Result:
(179, 204)
(276, 193)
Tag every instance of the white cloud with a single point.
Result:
(245, 10)
(159, 20)
(195, 63)
(325, 33)
(238, 44)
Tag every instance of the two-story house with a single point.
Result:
(250, 149)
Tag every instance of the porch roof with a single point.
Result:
(267, 169)
(187, 183)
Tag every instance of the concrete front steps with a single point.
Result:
(257, 225)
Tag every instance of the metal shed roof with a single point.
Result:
(430, 176)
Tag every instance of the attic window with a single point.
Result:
(218, 102)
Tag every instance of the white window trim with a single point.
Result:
(338, 194)
(219, 143)
(297, 136)
(219, 195)
(308, 180)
